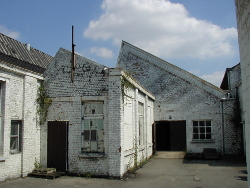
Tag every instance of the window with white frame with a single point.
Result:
(141, 122)
(15, 136)
(92, 128)
(202, 130)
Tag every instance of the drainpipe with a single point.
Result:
(222, 125)
(22, 136)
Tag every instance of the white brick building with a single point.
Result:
(101, 121)
(108, 128)
(20, 73)
(243, 23)
(190, 113)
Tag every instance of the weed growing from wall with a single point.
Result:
(43, 102)
(37, 164)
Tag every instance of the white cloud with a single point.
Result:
(102, 52)
(214, 78)
(8, 32)
(163, 28)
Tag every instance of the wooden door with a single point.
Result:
(57, 156)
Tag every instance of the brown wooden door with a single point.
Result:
(57, 145)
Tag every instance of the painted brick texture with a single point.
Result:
(179, 95)
(92, 82)
(243, 23)
(19, 103)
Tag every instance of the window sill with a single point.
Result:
(202, 141)
(2, 159)
(91, 155)
(15, 152)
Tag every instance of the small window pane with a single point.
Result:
(208, 123)
(202, 130)
(196, 136)
(96, 124)
(93, 146)
(202, 136)
(86, 135)
(195, 123)
(208, 136)
(93, 135)
(93, 108)
(14, 143)
(100, 134)
(140, 108)
(14, 128)
(86, 123)
(195, 130)
(100, 146)
(208, 129)
(86, 146)
(202, 123)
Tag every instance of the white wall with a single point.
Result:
(243, 22)
(181, 96)
(19, 103)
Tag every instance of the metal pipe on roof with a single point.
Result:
(28, 46)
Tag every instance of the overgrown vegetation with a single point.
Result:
(43, 102)
(37, 164)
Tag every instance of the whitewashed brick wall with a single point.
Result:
(243, 22)
(93, 82)
(179, 94)
(19, 103)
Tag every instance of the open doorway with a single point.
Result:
(170, 135)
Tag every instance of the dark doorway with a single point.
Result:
(171, 135)
(57, 145)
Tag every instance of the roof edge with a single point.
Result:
(174, 67)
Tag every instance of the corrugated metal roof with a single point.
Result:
(17, 53)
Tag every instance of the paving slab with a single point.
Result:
(230, 172)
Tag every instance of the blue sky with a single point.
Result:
(199, 36)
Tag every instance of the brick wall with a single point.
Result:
(19, 103)
(179, 94)
(243, 22)
(92, 82)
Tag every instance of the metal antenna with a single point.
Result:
(73, 60)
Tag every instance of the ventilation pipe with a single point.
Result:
(28, 46)
(222, 125)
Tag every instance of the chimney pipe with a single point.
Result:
(28, 46)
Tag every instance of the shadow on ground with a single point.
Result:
(225, 161)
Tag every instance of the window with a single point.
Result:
(15, 136)
(93, 131)
(202, 130)
(141, 122)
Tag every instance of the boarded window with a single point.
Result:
(202, 130)
(93, 129)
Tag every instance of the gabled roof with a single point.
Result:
(22, 55)
(168, 67)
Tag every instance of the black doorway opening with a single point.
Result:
(171, 135)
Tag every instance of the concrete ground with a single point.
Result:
(226, 173)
